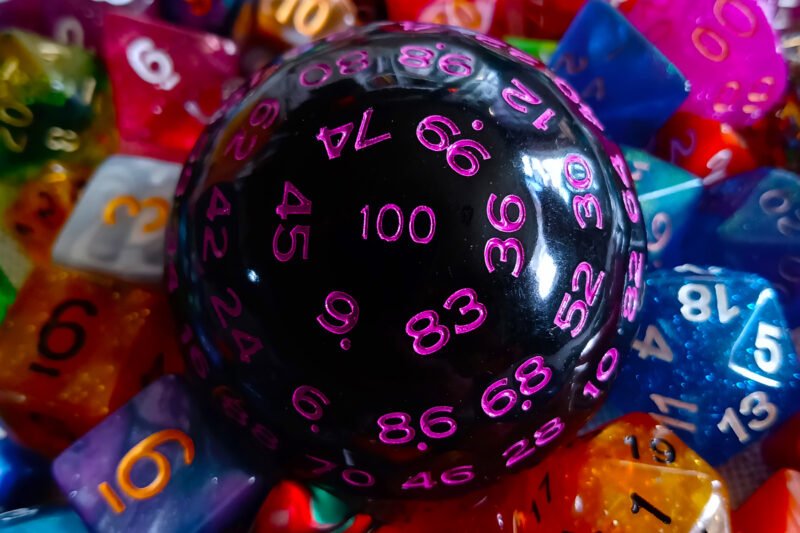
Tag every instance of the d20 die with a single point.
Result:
(714, 360)
(160, 463)
(118, 226)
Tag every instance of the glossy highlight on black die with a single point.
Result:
(406, 260)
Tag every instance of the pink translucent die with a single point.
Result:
(725, 48)
(167, 83)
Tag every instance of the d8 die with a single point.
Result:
(669, 196)
(599, 45)
(633, 475)
(118, 226)
(73, 350)
(169, 83)
(200, 482)
(55, 105)
(714, 360)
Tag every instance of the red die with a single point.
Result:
(167, 83)
(774, 508)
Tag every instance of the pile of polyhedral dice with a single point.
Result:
(511, 265)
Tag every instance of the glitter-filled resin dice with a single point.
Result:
(73, 350)
(42, 520)
(633, 475)
(726, 49)
(41, 207)
(474, 227)
(160, 463)
(55, 105)
(118, 226)
(669, 196)
(713, 360)
(751, 223)
(599, 46)
(168, 83)
(774, 508)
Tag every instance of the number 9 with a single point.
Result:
(146, 450)
(503, 223)
(429, 124)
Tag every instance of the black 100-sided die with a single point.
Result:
(406, 260)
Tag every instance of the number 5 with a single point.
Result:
(578, 306)
(768, 354)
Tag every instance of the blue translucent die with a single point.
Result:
(713, 360)
(163, 462)
(24, 475)
(668, 196)
(42, 520)
(631, 86)
(752, 223)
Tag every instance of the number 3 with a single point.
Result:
(504, 246)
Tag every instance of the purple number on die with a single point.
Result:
(221, 308)
(522, 449)
(422, 57)
(412, 226)
(334, 149)
(504, 223)
(568, 309)
(301, 207)
(518, 95)
(587, 206)
(348, 320)
(510, 244)
(315, 75)
(577, 180)
(309, 402)
(458, 475)
(442, 332)
(462, 150)
(605, 369)
(262, 116)
(351, 476)
(402, 424)
(496, 404)
(472, 305)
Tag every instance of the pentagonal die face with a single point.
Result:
(411, 254)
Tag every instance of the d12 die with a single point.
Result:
(752, 223)
(118, 226)
(633, 475)
(725, 48)
(73, 350)
(82, 22)
(55, 105)
(24, 475)
(668, 196)
(714, 360)
(599, 46)
(42, 520)
(705, 147)
(201, 480)
(287, 23)
(215, 16)
(292, 507)
(41, 208)
(168, 83)
(774, 508)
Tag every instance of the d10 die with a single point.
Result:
(55, 105)
(118, 225)
(168, 83)
(42, 520)
(633, 475)
(599, 45)
(74, 350)
(714, 360)
(159, 464)
(668, 196)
